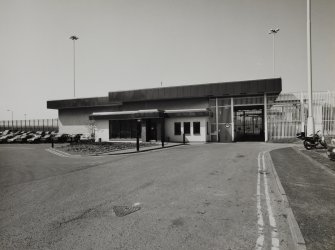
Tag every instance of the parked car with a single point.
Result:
(74, 138)
(331, 151)
(24, 137)
(34, 139)
(4, 138)
(6, 132)
(41, 133)
(47, 138)
(13, 139)
(60, 138)
(86, 138)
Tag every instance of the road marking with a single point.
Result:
(61, 152)
(274, 231)
(15, 148)
(260, 221)
(52, 151)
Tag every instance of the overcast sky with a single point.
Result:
(131, 44)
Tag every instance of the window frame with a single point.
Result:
(189, 127)
(175, 128)
(196, 122)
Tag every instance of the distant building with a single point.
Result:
(214, 112)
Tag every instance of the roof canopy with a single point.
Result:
(149, 114)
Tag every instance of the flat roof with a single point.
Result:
(221, 89)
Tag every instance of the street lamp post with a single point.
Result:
(310, 119)
(25, 121)
(273, 32)
(12, 118)
(74, 38)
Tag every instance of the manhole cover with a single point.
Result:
(121, 211)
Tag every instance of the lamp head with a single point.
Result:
(74, 37)
(273, 31)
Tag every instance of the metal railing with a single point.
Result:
(30, 125)
(288, 114)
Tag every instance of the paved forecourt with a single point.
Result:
(207, 196)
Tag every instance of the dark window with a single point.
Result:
(123, 129)
(207, 129)
(196, 128)
(177, 128)
(187, 128)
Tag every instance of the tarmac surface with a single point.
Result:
(310, 189)
(207, 196)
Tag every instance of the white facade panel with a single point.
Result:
(102, 130)
(202, 137)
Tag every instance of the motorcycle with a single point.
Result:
(311, 142)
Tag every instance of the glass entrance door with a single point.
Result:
(249, 124)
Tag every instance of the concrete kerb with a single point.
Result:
(297, 237)
(132, 151)
(119, 152)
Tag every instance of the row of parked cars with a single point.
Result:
(9, 136)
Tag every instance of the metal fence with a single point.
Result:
(288, 114)
(30, 125)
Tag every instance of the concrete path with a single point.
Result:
(209, 196)
(310, 190)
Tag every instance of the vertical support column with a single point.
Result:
(159, 130)
(138, 129)
(232, 119)
(163, 132)
(302, 112)
(217, 119)
(144, 131)
(265, 118)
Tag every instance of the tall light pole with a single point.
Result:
(273, 32)
(25, 121)
(310, 119)
(12, 118)
(74, 38)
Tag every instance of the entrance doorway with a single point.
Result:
(151, 130)
(249, 123)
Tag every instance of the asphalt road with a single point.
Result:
(209, 196)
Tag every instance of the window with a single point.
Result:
(207, 128)
(177, 128)
(196, 128)
(123, 129)
(187, 128)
